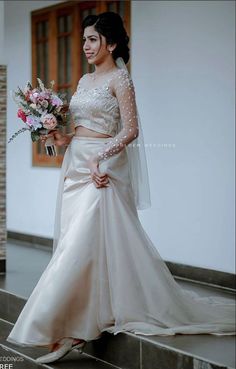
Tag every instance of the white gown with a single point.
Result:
(105, 274)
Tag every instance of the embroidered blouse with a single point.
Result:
(98, 109)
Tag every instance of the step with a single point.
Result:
(24, 357)
(129, 351)
(125, 350)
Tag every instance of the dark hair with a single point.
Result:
(110, 25)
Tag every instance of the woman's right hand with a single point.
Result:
(99, 179)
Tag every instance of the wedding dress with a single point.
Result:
(105, 273)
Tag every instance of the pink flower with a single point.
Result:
(21, 115)
(49, 121)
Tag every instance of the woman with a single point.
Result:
(105, 273)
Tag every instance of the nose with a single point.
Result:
(86, 46)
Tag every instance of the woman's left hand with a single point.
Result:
(99, 179)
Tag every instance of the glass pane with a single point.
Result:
(69, 23)
(45, 62)
(60, 59)
(65, 23)
(60, 24)
(39, 30)
(43, 29)
(40, 60)
(46, 29)
(38, 66)
(68, 58)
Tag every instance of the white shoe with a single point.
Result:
(62, 351)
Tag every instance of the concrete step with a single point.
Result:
(24, 357)
(130, 351)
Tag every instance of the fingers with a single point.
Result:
(100, 179)
(43, 138)
(100, 182)
(103, 183)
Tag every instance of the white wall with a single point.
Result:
(183, 69)
(183, 65)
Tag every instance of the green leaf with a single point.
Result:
(35, 136)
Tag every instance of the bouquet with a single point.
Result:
(41, 110)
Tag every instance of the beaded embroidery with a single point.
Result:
(96, 108)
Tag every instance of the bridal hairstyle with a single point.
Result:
(110, 25)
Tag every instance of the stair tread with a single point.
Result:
(208, 348)
(29, 354)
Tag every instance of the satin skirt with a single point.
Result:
(106, 274)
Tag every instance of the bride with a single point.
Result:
(105, 274)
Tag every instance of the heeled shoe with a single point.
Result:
(62, 351)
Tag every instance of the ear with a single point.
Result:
(112, 47)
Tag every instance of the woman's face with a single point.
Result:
(95, 48)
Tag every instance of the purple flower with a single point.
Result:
(56, 101)
(33, 122)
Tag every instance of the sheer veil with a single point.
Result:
(138, 173)
(137, 162)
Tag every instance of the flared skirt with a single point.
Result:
(105, 273)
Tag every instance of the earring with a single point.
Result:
(110, 51)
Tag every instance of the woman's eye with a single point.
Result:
(91, 39)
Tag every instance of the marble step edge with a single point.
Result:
(114, 350)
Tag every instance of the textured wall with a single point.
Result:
(3, 87)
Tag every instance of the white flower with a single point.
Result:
(49, 121)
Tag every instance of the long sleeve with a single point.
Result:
(125, 94)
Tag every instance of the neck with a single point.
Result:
(105, 66)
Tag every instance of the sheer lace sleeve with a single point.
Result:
(125, 94)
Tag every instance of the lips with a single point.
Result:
(88, 55)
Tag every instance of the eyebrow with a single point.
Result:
(91, 36)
